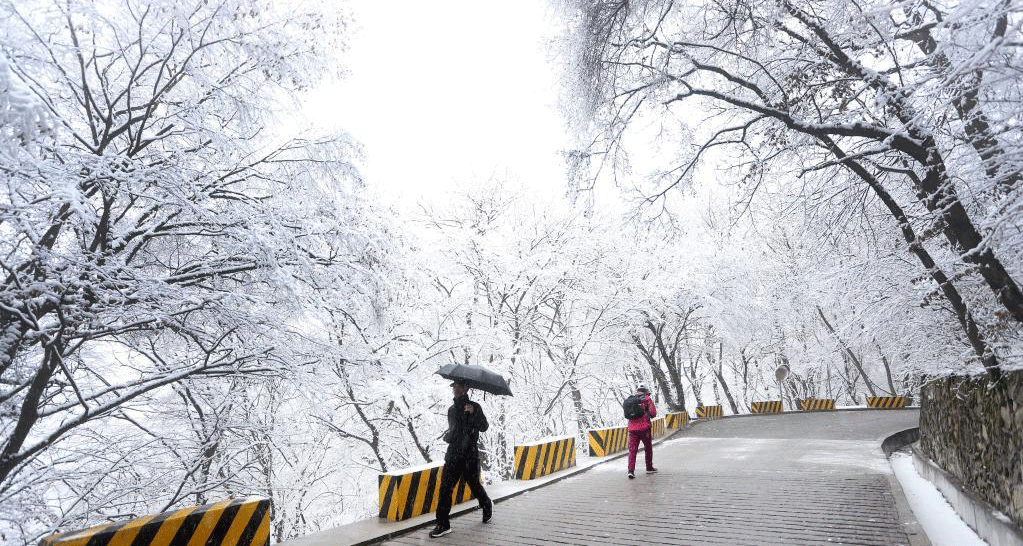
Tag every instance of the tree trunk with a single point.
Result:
(424, 451)
(671, 363)
(655, 370)
(850, 382)
(827, 369)
(937, 190)
(681, 391)
(582, 415)
(694, 382)
(724, 387)
(951, 293)
(29, 414)
(719, 374)
(848, 352)
(976, 124)
(745, 379)
(887, 371)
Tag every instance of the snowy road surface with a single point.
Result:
(802, 478)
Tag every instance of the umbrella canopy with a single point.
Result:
(475, 377)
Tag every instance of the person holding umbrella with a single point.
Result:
(462, 460)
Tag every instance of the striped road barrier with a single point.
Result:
(411, 492)
(657, 428)
(544, 457)
(606, 441)
(707, 412)
(234, 522)
(886, 402)
(817, 404)
(770, 406)
(676, 420)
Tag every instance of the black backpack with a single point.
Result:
(633, 407)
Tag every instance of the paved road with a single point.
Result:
(793, 479)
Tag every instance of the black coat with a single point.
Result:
(464, 430)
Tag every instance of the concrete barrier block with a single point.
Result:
(657, 427)
(415, 491)
(709, 412)
(769, 406)
(886, 402)
(817, 404)
(234, 522)
(606, 441)
(543, 457)
(676, 420)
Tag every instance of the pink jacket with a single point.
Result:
(643, 423)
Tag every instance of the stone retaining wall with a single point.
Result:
(974, 431)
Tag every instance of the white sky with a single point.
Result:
(448, 92)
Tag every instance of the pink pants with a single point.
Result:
(634, 438)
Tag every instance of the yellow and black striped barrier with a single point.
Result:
(707, 412)
(886, 402)
(606, 441)
(236, 522)
(770, 406)
(657, 428)
(817, 404)
(676, 420)
(544, 457)
(415, 491)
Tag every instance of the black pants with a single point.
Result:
(469, 472)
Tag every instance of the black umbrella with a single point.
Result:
(475, 377)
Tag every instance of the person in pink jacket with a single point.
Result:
(639, 430)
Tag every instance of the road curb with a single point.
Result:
(900, 440)
(891, 444)
(973, 510)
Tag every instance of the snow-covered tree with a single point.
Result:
(831, 100)
(165, 248)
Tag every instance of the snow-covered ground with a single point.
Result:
(941, 523)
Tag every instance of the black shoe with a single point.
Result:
(632, 476)
(488, 510)
(440, 530)
(651, 471)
